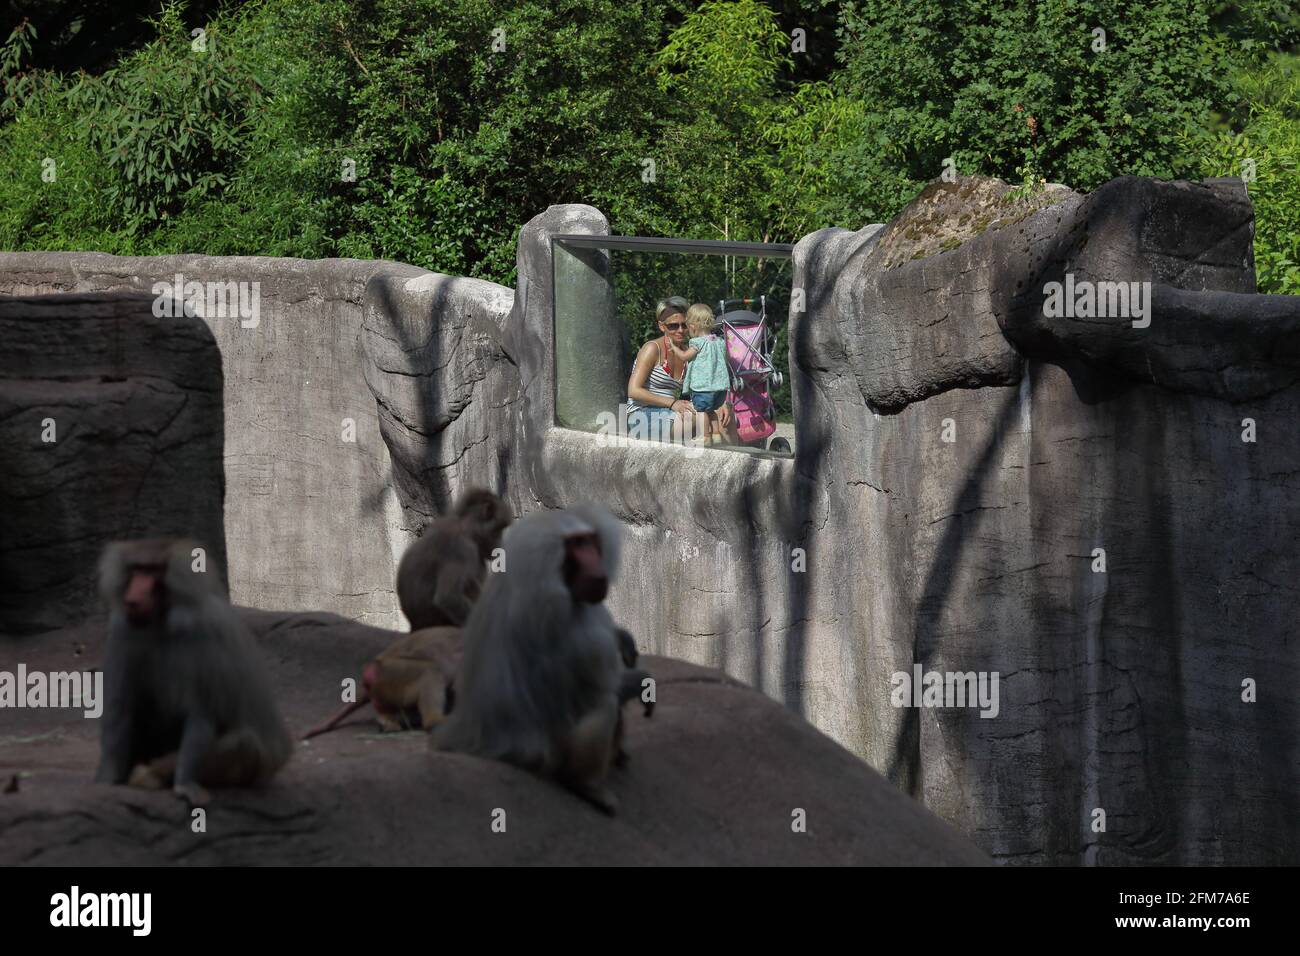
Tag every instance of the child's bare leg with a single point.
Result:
(730, 431)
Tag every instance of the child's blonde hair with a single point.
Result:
(699, 319)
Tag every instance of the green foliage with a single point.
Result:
(1020, 88)
(836, 165)
(465, 118)
(728, 56)
(1269, 149)
(169, 121)
(50, 198)
(221, 151)
(465, 143)
(66, 213)
(18, 84)
(747, 152)
(284, 195)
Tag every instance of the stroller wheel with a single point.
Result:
(777, 379)
(779, 445)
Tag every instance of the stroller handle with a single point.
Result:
(761, 300)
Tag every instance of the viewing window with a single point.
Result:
(674, 340)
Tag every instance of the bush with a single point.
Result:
(1025, 89)
(465, 118)
(1267, 154)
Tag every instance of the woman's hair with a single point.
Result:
(699, 319)
(666, 307)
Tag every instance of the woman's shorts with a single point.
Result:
(653, 423)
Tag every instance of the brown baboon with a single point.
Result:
(412, 683)
(441, 573)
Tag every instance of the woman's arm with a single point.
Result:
(686, 355)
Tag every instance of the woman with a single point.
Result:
(655, 406)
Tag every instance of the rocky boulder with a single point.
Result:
(112, 422)
(719, 775)
(1097, 509)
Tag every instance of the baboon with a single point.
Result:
(188, 702)
(441, 574)
(545, 671)
(630, 689)
(411, 683)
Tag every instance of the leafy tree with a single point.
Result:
(757, 154)
(464, 118)
(178, 149)
(1028, 89)
(837, 166)
(471, 117)
(722, 70)
(52, 195)
(169, 121)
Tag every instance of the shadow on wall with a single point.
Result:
(441, 379)
(942, 581)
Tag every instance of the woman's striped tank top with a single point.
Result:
(660, 382)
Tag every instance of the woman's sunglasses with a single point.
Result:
(674, 326)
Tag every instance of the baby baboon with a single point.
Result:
(411, 683)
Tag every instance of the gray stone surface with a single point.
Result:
(1209, 334)
(133, 406)
(1119, 690)
(311, 519)
(881, 545)
(440, 379)
(920, 315)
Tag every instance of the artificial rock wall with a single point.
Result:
(111, 424)
(311, 518)
(961, 460)
(993, 455)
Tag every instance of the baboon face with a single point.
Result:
(135, 577)
(584, 568)
(143, 600)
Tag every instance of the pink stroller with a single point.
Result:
(753, 376)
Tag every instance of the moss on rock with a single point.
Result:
(945, 215)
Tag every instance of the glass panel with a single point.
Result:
(605, 305)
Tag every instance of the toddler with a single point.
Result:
(707, 375)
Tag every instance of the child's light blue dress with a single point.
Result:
(707, 372)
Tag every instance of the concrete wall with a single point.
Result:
(987, 451)
(312, 521)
